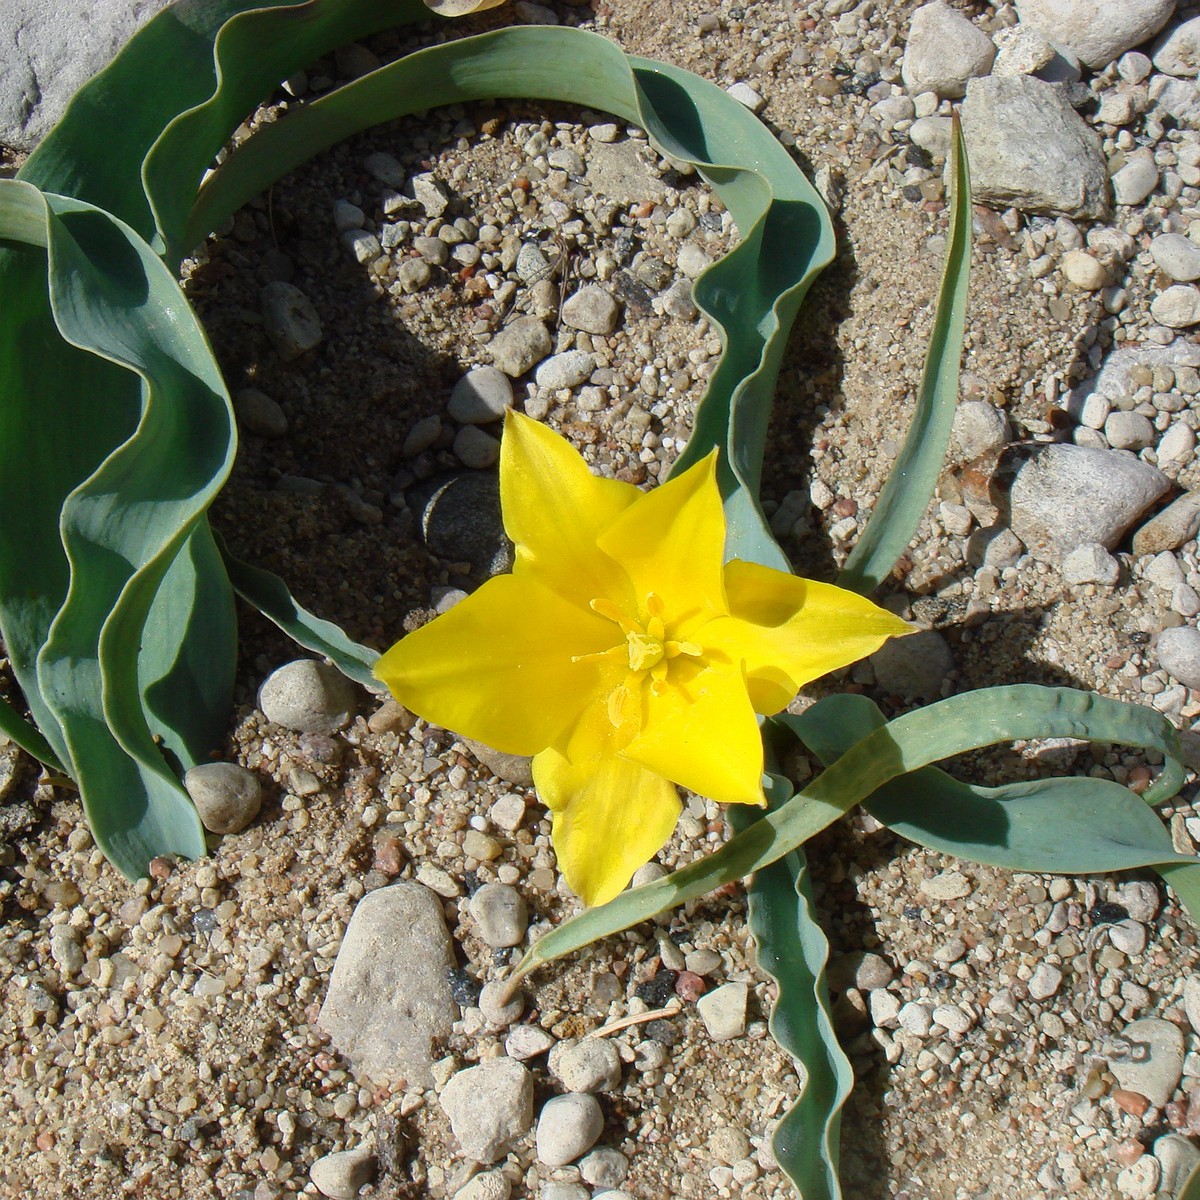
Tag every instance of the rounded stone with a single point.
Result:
(1129, 431)
(592, 1065)
(227, 796)
(914, 667)
(340, 1175)
(307, 696)
(1179, 654)
(490, 1185)
(518, 346)
(481, 396)
(591, 309)
(259, 414)
(498, 1008)
(1177, 256)
(604, 1167)
(1084, 271)
(476, 449)
(568, 1127)
(500, 914)
(1178, 307)
(566, 370)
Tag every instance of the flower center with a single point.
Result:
(649, 652)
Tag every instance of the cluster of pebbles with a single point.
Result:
(316, 1008)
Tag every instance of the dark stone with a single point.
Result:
(1107, 913)
(464, 987)
(460, 520)
(657, 991)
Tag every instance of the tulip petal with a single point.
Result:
(672, 542)
(789, 631)
(500, 666)
(700, 731)
(610, 815)
(554, 509)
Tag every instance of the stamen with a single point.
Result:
(617, 652)
(603, 607)
(654, 604)
(618, 700)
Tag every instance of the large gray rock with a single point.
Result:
(51, 48)
(1097, 31)
(389, 995)
(1063, 496)
(1029, 148)
(943, 51)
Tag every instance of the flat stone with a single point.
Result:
(429, 193)
(1063, 496)
(259, 414)
(978, 427)
(591, 309)
(226, 795)
(915, 666)
(944, 50)
(1139, 1180)
(389, 994)
(524, 1042)
(1091, 563)
(512, 768)
(1030, 149)
(307, 696)
(743, 93)
(385, 168)
(1180, 99)
(566, 370)
(290, 320)
(1097, 31)
(1147, 1057)
(1136, 179)
(1191, 1001)
(500, 915)
(604, 1167)
(1115, 381)
(1177, 445)
(568, 1126)
(723, 1011)
(1177, 256)
(460, 520)
(490, 1107)
(616, 171)
(1178, 652)
(932, 134)
(519, 346)
(1178, 523)
(488, 1185)
(340, 1175)
(949, 885)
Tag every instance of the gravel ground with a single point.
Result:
(161, 1039)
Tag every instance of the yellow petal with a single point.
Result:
(672, 542)
(498, 667)
(700, 732)
(554, 509)
(789, 631)
(610, 815)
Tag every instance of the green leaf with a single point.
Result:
(126, 526)
(1068, 826)
(792, 948)
(269, 594)
(752, 295)
(19, 731)
(910, 742)
(911, 481)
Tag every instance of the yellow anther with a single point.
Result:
(654, 604)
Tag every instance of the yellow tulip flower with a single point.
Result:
(624, 653)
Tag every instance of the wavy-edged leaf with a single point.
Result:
(915, 740)
(791, 947)
(129, 522)
(751, 295)
(20, 732)
(906, 494)
(1070, 826)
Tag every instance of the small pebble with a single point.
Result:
(568, 1127)
(500, 915)
(590, 1065)
(340, 1175)
(308, 696)
(226, 795)
(723, 1011)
